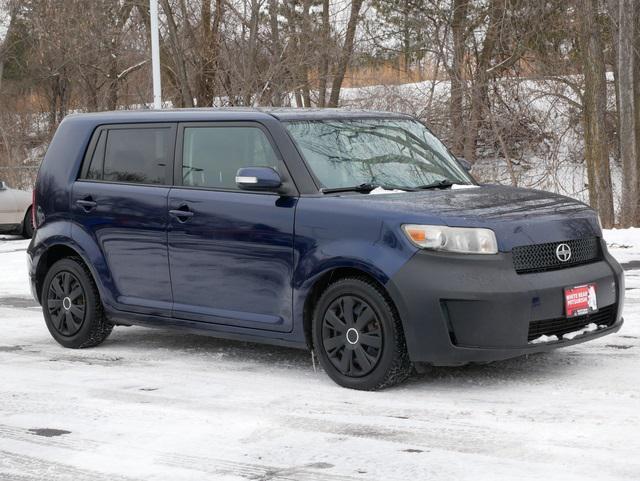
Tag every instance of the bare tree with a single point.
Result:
(595, 106)
(456, 73)
(345, 54)
(628, 141)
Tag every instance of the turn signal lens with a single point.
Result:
(416, 235)
(452, 239)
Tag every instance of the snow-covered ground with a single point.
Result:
(153, 404)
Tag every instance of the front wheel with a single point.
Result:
(72, 307)
(358, 336)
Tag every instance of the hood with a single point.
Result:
(517, 216)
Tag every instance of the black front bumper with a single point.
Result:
(457, 309)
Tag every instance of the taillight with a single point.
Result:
(34, 208)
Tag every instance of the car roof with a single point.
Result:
(230, 113)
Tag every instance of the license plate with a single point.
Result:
(580, 300)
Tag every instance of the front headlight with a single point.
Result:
(452, 239)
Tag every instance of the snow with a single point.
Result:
(544, 338)
(161, 405)
(381, 190)
(588, 328)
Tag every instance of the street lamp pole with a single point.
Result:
(155, 55)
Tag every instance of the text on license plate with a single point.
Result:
(580, 300)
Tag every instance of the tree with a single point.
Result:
(595, 111)
(628, 96)
(345, 54)
(456, 74)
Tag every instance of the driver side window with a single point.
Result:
(211, 156)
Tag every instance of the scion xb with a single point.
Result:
(355, 234)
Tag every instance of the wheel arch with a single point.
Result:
(51, 255)
(328, 277)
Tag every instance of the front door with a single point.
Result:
(230, 251)
(120, 201)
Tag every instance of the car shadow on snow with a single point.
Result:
(154, 344)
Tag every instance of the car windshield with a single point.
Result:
(380, 152)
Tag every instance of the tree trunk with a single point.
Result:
(323, 73)
(636, 91)
(179, 59)
(112, 97)
(306, 39)
(627, 115)
(275, 87)
(347, 51)
(205, 82)
(458, 28)
(481, 81)
(250, 83)
(594, 112)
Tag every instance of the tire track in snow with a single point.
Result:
(36, 467)
(258, 472)
(18, 466)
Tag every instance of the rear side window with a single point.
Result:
(132, 155)
(211, 156)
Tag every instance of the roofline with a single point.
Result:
(231, 114)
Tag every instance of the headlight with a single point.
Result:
(452, 239)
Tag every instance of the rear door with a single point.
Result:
(120, 201)
(230, 251)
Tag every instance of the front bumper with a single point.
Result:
(472, 308)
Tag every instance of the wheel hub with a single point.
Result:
(353, 336)
(66, 303)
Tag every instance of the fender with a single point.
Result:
(71, 236)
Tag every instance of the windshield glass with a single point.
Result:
(386, 152)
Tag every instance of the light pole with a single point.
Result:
(155, 55)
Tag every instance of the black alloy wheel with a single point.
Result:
(71, 305)
(352, 336)
(66, 301)
(358, 335)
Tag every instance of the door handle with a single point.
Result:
(87, 204)
(182, 214)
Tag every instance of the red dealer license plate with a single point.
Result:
(580, 300)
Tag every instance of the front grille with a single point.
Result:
(605, 316)
(542, 257)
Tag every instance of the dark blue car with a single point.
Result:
(355, 234)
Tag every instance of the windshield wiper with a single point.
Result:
(440, 184)
(365, 188)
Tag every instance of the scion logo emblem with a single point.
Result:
(563, 252)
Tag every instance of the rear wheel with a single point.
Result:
(72, 307)
(358, 336)
(27, 225)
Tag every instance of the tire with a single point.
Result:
(375, 355)
(72, 307)
(27, 225)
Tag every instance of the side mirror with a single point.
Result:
(3, 185)
(258, 178)
(466, 165)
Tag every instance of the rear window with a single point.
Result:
(132, 155)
